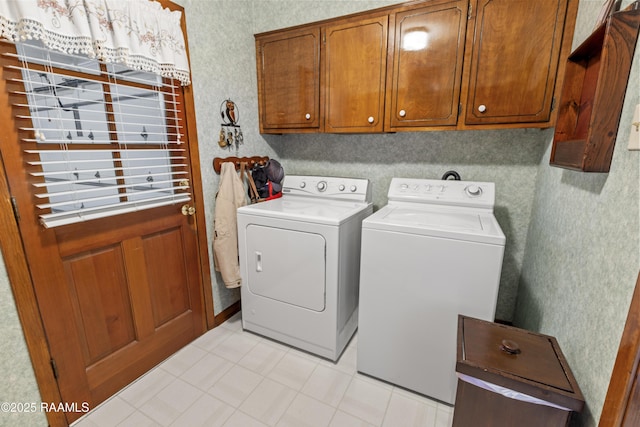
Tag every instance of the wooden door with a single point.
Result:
(289, 80)
(514, 48)
(428, 51)
(355, 61)
(116, 295)
(622, 403)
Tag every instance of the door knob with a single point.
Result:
(188, 210)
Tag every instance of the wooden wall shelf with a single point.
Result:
(593, 94)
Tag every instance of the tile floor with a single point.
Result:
(232, 378)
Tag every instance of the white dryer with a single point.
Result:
(433, 252)
(300, 262)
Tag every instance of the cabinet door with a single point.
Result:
(355, 70)
(427, 65)
(515, 48)
(289, 80)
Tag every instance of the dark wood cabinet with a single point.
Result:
(288, 65)
(513, 50)
(423, 89)
(355, 61)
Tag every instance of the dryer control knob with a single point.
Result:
(303, 184)
(341, 187)
(473, 190)
(322, 185)
(353, 188)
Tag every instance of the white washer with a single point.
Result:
(300, 262)
(433, 252)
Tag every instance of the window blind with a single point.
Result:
(99, 139)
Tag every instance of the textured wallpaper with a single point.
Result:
(583, 251)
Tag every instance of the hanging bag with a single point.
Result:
(265, 182)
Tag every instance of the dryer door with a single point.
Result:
(286, 265)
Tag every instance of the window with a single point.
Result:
(100, 139)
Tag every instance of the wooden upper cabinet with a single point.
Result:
(355, 60)
(419, 65)
(428, 51)
(514, 51)
(288, 65)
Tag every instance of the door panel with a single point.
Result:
(283, 265)
(101, 302)
(169, 286)
(355, 61)
(526, 36)
(427, 66)
(289, 80)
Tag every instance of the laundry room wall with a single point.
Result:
(18, 380)
(224, 67)
(582, 254)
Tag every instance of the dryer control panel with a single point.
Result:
(443, 192)
(353, 189)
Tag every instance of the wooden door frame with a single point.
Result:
(20, 278)
(619, 403)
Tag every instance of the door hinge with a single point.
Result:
(14, 205)
(553, 103)
(54, 368)
(459, 109)
(470, 11)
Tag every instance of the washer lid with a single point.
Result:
(462, 224)
(320, 211)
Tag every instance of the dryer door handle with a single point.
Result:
(258, 261)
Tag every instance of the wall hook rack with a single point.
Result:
(249, 161)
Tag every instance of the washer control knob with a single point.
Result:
(404, 186)
(341, 187)
(322, 185)
(353, 188)
(303, 184)
(473, 190)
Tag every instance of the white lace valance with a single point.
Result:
(137, 33)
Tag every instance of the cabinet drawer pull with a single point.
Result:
(402, 113)
(371, 119)
(482, 108)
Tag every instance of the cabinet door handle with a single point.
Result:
(371, 119)
(402, 113)
(482, 108)
(307, 116)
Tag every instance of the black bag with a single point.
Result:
(268, 180)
